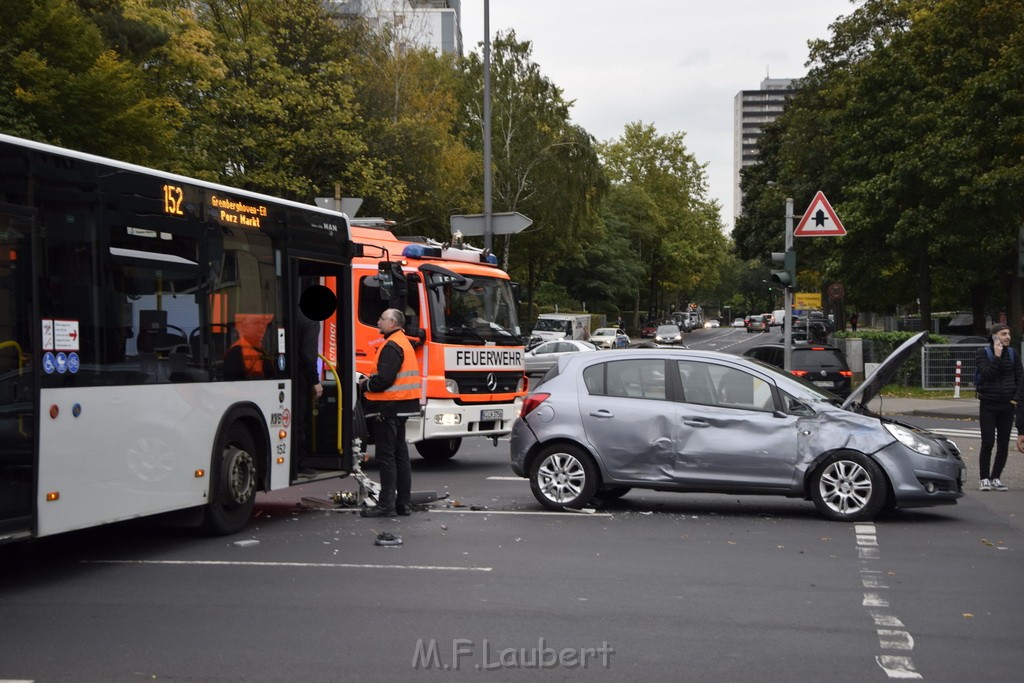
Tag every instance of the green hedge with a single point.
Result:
(879, 345)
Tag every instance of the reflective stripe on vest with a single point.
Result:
(407, 381)
(252, 358)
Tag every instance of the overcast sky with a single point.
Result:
(676, 64)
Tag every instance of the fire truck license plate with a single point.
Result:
(487, 415)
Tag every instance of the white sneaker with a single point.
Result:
(986, 485)
(998, 485)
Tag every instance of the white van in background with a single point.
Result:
(778, 317)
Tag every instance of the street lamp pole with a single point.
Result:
(787, 330)
(488, 226)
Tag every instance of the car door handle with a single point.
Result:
(601, 413)
(696, 423)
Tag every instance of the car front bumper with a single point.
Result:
(922, 480)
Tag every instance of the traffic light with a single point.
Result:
(786, 277)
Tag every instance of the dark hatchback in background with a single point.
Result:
(823, 366)
(757, 323)
(600, 424)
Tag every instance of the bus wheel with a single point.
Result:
(438, 450)
(233, 478)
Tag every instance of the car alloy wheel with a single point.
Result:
(849, 487)
(563, 476)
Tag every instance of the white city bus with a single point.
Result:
(149, 344)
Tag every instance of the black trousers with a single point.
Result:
(995, 420)
(392, 455)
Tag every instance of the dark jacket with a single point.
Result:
(309, 338)
(999, 379)
(389, 362)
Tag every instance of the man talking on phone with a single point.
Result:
(999, 379)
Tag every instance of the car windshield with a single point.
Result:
(484, 313)
(668, 329)
(604, 332)
(549, 325)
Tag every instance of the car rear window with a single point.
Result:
(818, 359)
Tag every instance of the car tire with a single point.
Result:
(849, 487)
(438, 450)
(563, 476)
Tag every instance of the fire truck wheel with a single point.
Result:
(438, 450)
(233, 476)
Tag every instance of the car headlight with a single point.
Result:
(911, 440)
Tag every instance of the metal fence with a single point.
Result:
(938, 365)
(935, 369)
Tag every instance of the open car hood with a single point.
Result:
(884, 373)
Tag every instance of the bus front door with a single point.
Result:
(325, 423)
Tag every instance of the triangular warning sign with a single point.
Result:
(820, 220)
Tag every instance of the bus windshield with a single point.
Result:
(483, 314)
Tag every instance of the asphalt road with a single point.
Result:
(663, 587)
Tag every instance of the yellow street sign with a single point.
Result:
(805, 300)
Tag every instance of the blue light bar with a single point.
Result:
(421, 251)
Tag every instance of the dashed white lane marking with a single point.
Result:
(892, 634)
(508, 479)
(308, 565)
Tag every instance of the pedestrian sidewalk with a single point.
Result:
(1006, 505)
(951, 408)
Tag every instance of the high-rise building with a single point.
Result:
(436, 24)
(753, 110)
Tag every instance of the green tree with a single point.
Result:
(284, 120)
(677, 225)
(62, 84)
(411, 108)
(912, 122)
(543, 165)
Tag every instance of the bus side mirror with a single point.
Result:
(392, 281)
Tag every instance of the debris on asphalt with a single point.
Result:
(388, 539)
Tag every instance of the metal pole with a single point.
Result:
(488, 228)
(787, 331)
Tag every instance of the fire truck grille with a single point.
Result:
(486, 382)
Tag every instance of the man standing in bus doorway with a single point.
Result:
(392, 395)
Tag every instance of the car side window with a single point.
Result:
(696, 383)
(642, 378)
(719, 385)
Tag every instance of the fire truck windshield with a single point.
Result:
(484, 313)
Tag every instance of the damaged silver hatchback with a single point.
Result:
(601, 424)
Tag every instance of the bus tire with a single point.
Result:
(233, 478)
(438, 450)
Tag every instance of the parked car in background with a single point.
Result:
(824, 366)
(669, 333)
(738, 322)
(540, 358)
(708, 324)
(609, 338)
(770, 317)
(681, 420)
(648, 329)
